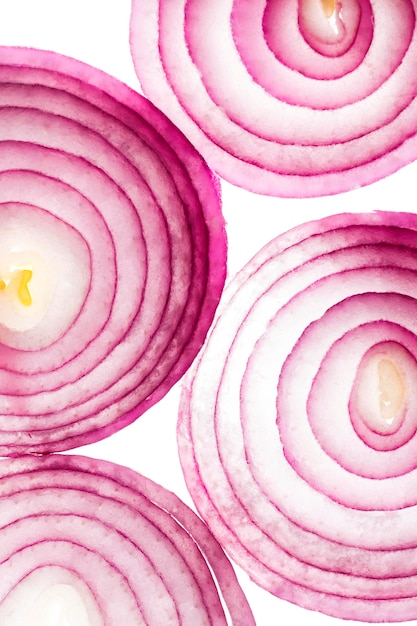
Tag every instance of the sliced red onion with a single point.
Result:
(298, 420)
(112, 253)
(91, 543)
(292, 98)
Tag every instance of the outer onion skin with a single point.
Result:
(116, 534)
(307, 484)
(271, 111)
(79, 146)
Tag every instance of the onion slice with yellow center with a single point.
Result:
(90, 543)
(112, 253)
(298, 420)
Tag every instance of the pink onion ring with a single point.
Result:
(298, 420)
(119, 220)
(103, 545)
(285, 97)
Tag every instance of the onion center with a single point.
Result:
(25, 289)
(39, 600)
(60, 605)
(380, 393)
(45, 275)
(323, 21)
(18, 279)
(329, 7)
(391, 390)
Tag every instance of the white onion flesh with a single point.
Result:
(298, 419)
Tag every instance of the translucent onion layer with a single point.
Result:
(112, 257)
(298, 420)
(291, 98)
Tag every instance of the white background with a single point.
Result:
(96, 32)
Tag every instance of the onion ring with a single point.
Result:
(298, 420)
(279, 97)
(108, 206)
(98, 544)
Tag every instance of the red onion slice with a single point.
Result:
(297, 428)
(99, 545)
(285, 97)
(120, 218)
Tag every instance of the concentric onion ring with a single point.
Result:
(95, 543)
(297, 428)
(279, 97)
(120, 222)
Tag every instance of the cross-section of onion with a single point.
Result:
(292, 98)
(297, 428)
(91, 543)
(112, 253)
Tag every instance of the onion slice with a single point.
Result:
(95, 544)
(298, 420)
(113, 253)
(294, 98)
